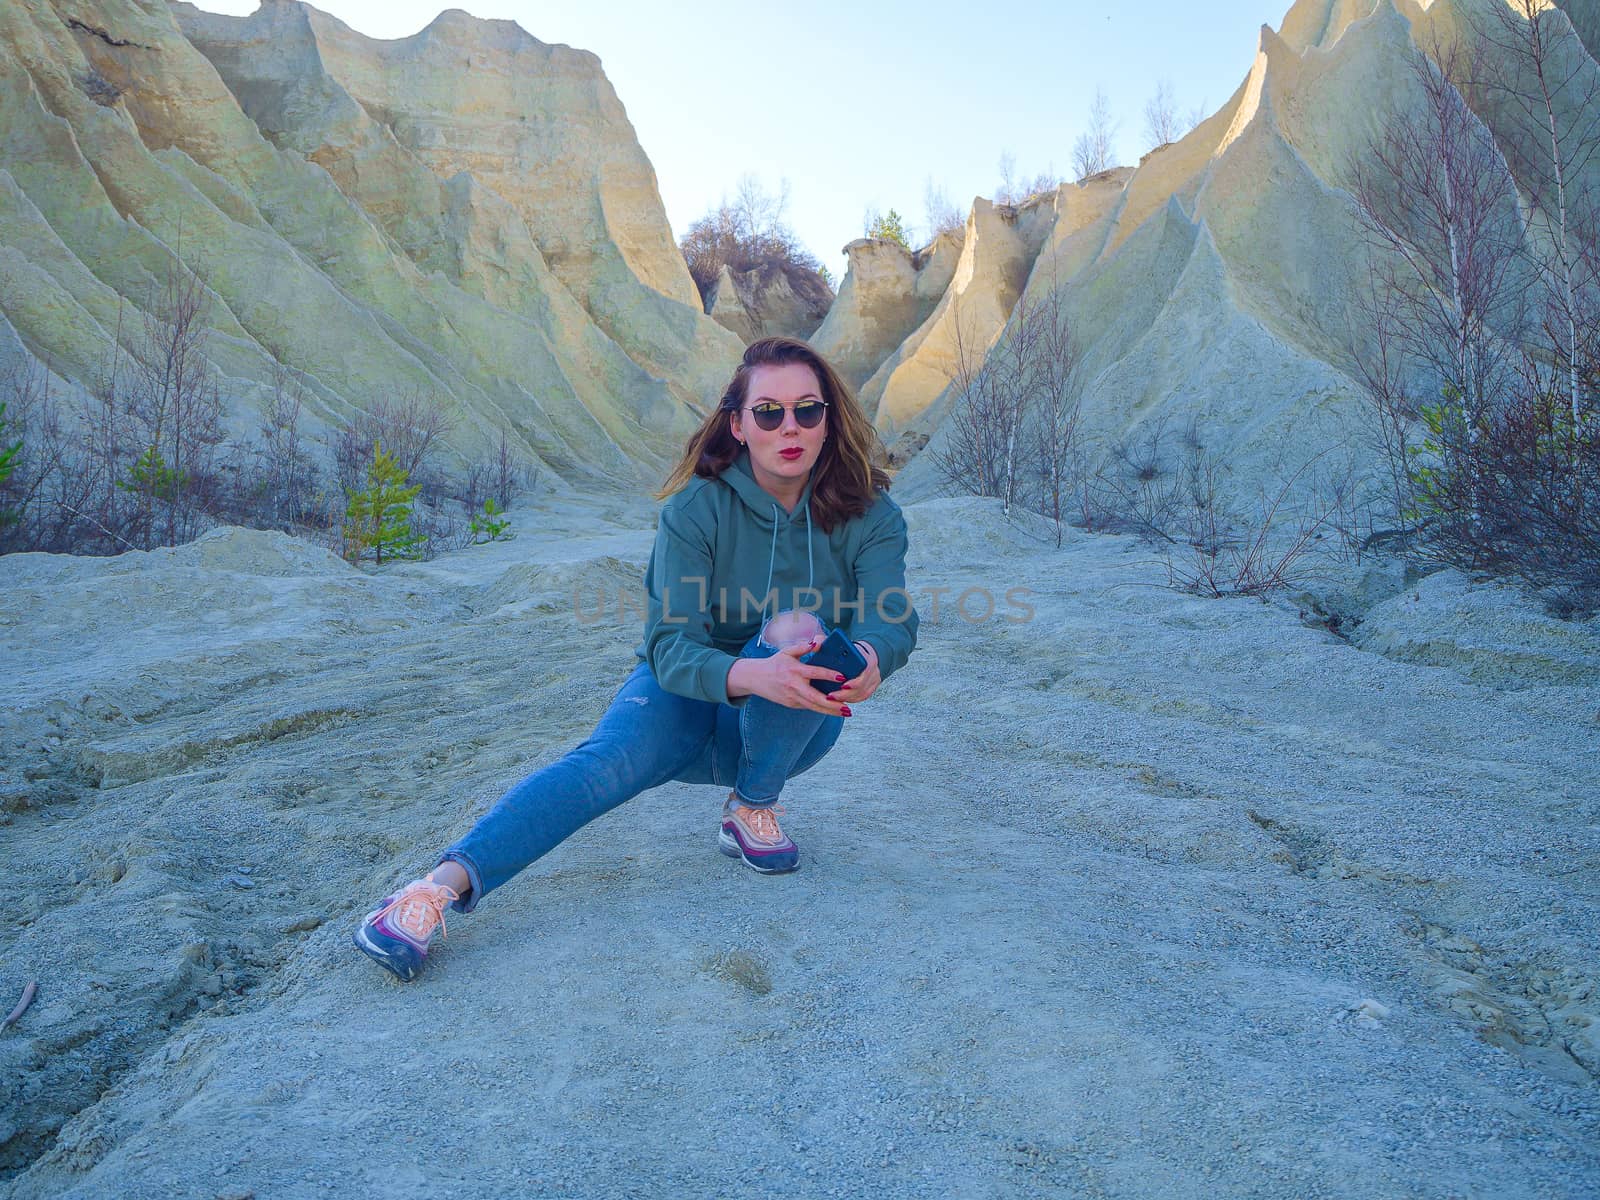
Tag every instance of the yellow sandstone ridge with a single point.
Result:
(375, 261)
(1219, 281)
(887, 293)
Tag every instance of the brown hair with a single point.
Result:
(849, 472)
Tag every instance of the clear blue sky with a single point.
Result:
(859, 106)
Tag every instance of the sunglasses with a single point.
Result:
(807, 414)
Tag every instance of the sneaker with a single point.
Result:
(396, 934)
(752, 834)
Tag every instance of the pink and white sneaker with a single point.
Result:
(753, 836)
(396, 934)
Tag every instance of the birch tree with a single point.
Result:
(1438, 205)
(1161, 124)
(1093, 152)
(1537, 78)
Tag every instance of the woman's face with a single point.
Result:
(781, 458)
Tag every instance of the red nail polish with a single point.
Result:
(844, 710)
(838, 678)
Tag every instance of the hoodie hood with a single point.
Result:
(740, 476)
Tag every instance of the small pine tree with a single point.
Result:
(488, 524)
(8, 455)
(151, 476)
(378, 519)
(8, 463)
(889, 226)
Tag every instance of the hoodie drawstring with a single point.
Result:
(772, 558)
(811, 577)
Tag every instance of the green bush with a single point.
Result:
(1512, 490)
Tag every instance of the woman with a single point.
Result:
(777, 490)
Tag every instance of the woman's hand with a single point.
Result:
(863, 685)
(784, 679)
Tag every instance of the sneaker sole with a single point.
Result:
(403, 971)
(729, 845)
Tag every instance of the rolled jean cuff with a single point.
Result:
(474, 880)
(745, 800)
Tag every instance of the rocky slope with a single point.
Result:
(1112, 892)
(1219, 282)
(769, 301)
(465, 213)
(887, 293)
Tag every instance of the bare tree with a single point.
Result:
(985, 422)
(1484, 412)
(1587, 357)
(175, 404)
(1382, 364)
(1438, 205)
(1047, 180)
(943, 216)
(500, 476)
(1017, 189)
(133, 461)
(760, 214)
(1056, 406)
(411, 430)
(1534, 74)
(1161, 116)
(1196, 114)
(62, 495)
(107, 437)
(1007, 193)
(1015, 415)
(1093, 151)
(285, 472)
(1011, 365)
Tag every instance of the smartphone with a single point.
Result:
(837, 653)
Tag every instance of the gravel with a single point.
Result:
(1146, 896)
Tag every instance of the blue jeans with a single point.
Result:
(648, 737)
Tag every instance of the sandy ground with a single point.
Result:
(1145, 896)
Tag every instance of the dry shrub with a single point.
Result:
(1012, 428)
(749, 233)
(501, 476)
(282, 479)
(1226, 552)
(1519, 495)
(1168, 488)
(412, 429)
(85, 480)
(1482, 354)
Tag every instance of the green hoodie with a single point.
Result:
(724, 545)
